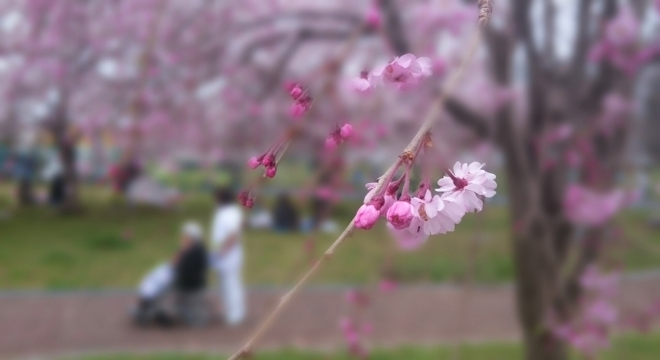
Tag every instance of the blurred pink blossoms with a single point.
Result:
(402, 73)
(585, 207)
(413, 219)
(590, 331)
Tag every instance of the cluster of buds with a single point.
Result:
(412, 219)
(302, 101)
(246, 197)
(339, 135)
(269, 159)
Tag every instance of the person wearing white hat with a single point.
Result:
(186, 272)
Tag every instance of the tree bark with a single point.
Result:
(535, 279)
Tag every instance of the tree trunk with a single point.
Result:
(534, 296)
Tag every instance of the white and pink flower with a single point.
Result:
(467, 184)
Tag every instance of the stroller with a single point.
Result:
(174, 292)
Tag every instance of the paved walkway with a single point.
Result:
(45, 325)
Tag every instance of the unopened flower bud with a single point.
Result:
(346, 131)
(254, 162)
(271, 171)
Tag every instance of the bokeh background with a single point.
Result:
(119, 118)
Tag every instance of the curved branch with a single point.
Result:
(312, 15)
(394, 27)
(467, 117)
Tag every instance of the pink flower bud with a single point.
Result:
(268, 160)
(330, 143)
(254, 162)
(249, 203)
(289, 85)
(366, 217)
(346, 131)
(296, 92)
(271, 171)
(400, 215)
(298, 110)
(373, 17)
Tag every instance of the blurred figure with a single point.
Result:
(227, 254)
(24, 168)
(53, 173)
(285, 214)
(185, 274)
(124, 174)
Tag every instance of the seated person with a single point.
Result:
(285, 214)
(185, 274)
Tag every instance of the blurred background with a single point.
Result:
(119, 120)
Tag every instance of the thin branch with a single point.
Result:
(416, 142)
(467, 117)
(305, 34)
(312, 15)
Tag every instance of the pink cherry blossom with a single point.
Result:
(426, 210)
(601, 312)
(403, 72)
(400, 214)
(624, 29)
(439, 66)
(410, 238)
(361, 84)
(450, 215)
(586, 207)
(467, 183)
(602, 284)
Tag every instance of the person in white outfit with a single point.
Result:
(227, 255)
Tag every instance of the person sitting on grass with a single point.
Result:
(185, 274)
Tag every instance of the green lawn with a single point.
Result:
(40, 248)
(627, 347)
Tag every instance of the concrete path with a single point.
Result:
(46, 325)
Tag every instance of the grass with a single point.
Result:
(628, 347)
(112, 245)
